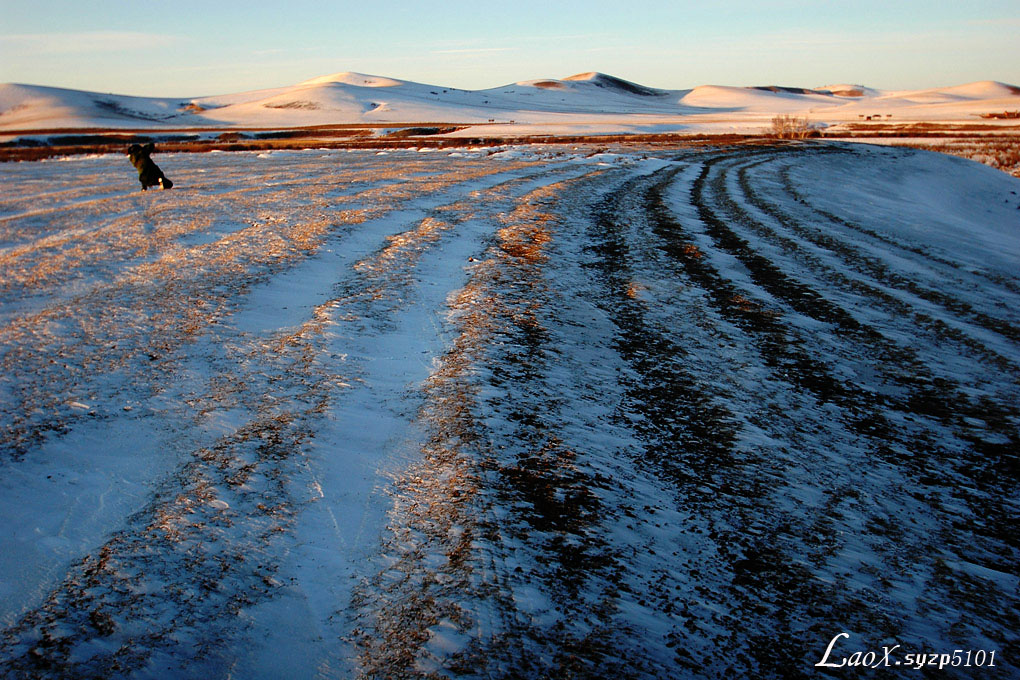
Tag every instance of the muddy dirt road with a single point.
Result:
(533, 412)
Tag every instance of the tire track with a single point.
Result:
(874, 269)
(167, 592)
(779, 346)
(726, 486)
(492, 512)
(52, 356)
(938, 441)
(892, 242)
(802, 601)
(939, 398)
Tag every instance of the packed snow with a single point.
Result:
(508, 412)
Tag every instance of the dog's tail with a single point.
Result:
(165, 183)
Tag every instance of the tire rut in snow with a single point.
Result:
(892, 242)
(989, 456)
(166, 593)
(752, 582)
(853, 259)
(928, 412)
(497, 565)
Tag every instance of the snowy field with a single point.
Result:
(510, 413)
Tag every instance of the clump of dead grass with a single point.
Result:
(791, 127)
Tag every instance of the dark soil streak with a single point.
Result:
(553, 489)
(544, 493)
(691, 436)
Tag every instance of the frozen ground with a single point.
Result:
(519, 413)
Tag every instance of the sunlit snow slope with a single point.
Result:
(587, 101)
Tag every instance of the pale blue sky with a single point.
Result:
(184, 48)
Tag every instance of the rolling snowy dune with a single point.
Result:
(592, 99)
(516, 412)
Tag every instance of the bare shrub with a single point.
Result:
(790, 127)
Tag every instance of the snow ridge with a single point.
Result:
(348, 97)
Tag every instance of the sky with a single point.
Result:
(189, 49)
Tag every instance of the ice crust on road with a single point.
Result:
(507, 412)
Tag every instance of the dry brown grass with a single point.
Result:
(1000, 153)
(95, 141)
(920, 129)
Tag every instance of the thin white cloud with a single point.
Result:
(475, 50)
(1001, 22)
(555, 39)
(274, 51)
(86, 42)
(475, 46)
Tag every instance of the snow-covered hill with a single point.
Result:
(595, 100)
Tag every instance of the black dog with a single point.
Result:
(149, 173)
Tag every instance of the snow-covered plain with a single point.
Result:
(587, 103)
(522, 412)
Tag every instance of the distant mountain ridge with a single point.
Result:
(356, 98)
